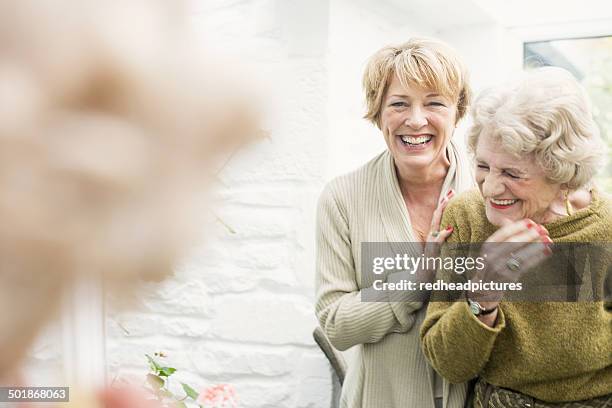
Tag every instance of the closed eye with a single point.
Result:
(437, 104)
(484, 167)
(398, 104)
(512, 175)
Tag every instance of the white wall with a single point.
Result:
(240, 309)
(358, 29)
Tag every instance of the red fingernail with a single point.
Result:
(547, 239)
(451, 191)
(530, 224)
(542, 231)
(449, 228)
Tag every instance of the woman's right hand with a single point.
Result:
(436, 237)
(509, 252)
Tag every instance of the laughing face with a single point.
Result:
(514, 189)
(417, 124)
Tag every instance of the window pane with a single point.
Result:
(590, 60)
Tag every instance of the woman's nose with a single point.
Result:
(416, 118)
(492, 186)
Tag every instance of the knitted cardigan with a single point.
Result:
(388, 369)
(552, 351)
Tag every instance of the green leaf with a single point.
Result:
(191, 393)
(166, 371)
(155, 381)
(153, 364)
(180, 404)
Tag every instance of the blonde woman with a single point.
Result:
(416, 93)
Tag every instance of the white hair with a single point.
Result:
(547, 113)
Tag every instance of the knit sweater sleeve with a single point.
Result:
(343, 316)
(456, 343)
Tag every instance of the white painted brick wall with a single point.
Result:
(240, 309)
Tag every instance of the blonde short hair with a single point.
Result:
(547, 113)
(423, 62)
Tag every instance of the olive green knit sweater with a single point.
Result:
(552, 351)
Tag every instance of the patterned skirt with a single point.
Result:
(491, 396)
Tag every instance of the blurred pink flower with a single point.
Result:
(218, 396)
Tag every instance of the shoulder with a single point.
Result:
(466, 214)
(604, 213)
(347, 188)
(593, 223)
(468, 206)
(605, 210)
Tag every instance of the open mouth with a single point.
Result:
(415, 143)
(415, 140)
(502, 204)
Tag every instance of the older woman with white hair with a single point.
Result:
(416, 94)
(536, 150)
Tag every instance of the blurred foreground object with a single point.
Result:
(111, 119)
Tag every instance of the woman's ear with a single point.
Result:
(565, 191)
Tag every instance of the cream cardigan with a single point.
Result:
(390, 370)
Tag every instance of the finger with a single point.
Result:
(527, 258)
(511, 228)
(444, 234)
(435, 239)
(534, 254)
(534, 233)
(498, 260)
(525, 236)
(450, 194)
(433, 236)
(498, 253)
(439, 236)
(437, 215)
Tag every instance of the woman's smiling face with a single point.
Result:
(417, 124)
(513, 189)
